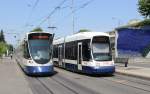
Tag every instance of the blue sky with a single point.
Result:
(20, 16)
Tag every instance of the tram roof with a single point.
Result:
(80, 36)
(26, 36)
(38, 32)
(59, 41)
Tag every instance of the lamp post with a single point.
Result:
(73, 16)
(118, 21)
(15, 34)
(52, 27)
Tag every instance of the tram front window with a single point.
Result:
(101, 49)
(40, 50)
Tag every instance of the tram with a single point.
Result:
(34, 55)
(86, 52)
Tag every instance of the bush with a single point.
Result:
(145, 51)
(146, 22)
(3, 48)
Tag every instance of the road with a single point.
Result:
(14, 81)
(66, 82)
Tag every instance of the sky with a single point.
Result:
(18, 17)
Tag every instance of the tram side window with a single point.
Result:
(74, 51)
(26, 51)
(71, 51)
(68, 51)
(55, 52)
(63, 51)
(86, 52)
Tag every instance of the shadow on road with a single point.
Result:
(42, 75)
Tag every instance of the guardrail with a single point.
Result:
(122, 60)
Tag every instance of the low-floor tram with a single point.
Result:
(87, 52)
(34, 55)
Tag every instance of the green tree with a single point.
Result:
(2, 38)
(38, 29)
(144, 8)
(10, 48)
(3, 48)
(83, 30)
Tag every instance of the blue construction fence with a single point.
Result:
(133, 43)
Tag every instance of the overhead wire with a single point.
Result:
(32, 10)
(59, 7)
(79, 8)
(82, 6)
(36, 3)
(52, 12)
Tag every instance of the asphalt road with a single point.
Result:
(14, 81)
(66, 82)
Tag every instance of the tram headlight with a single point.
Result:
(98, 65)
(30, 61)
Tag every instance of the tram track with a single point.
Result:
(58, 85)
(135, 80)
(44, 85)
(67, 87)
(44, 82)
(129, 83)
(66, 82)
(77, 88)
(38, 87)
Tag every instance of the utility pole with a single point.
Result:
(15, 36)
(52, 27)
(118, 21)
(72, 8)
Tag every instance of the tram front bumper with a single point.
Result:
(39, 70)
(99, 70)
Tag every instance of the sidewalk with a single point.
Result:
(140, 72)
(12, 80)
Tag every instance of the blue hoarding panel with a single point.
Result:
(132, 42)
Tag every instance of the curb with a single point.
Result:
(132, 75)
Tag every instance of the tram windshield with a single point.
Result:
(40, 50)
(40, 47)
(101, 49)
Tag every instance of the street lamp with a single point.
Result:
(52, 27)
(15, 36)
(118, 20)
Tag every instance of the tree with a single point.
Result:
(3, 48)
(83, 30)
(144, 8)
(38, 29)
(2, 38)
(10, 48)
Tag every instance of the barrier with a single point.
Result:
(122, 60)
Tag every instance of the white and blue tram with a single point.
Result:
(34, 55)
(87, 52)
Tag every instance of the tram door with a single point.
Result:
(60, 55)
(79, 59)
